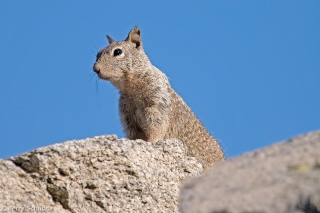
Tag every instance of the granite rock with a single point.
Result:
(100, 174)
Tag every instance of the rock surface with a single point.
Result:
(106, 174)
(284, 177)
(101, 174)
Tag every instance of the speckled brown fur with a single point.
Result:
(149, 108)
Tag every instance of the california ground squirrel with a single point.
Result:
(149, 108)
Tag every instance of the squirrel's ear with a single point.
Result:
(110, 39)
(134, 37)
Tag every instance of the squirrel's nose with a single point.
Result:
(96, 68)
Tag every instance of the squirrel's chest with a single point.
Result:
(132, 106)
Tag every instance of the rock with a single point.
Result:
(19, 190)
(284, 177)
(106, 174)
(100, 174)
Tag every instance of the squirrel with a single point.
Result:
(149, 108)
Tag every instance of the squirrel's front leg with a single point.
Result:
(155, 134)
(131, 127)
(154, 123)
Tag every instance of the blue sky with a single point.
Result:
(250, 70)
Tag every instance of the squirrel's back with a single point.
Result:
(185, 126)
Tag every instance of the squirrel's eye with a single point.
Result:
(117, 52)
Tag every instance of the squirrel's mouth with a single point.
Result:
(103, 77)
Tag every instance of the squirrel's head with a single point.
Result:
(121, 59)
